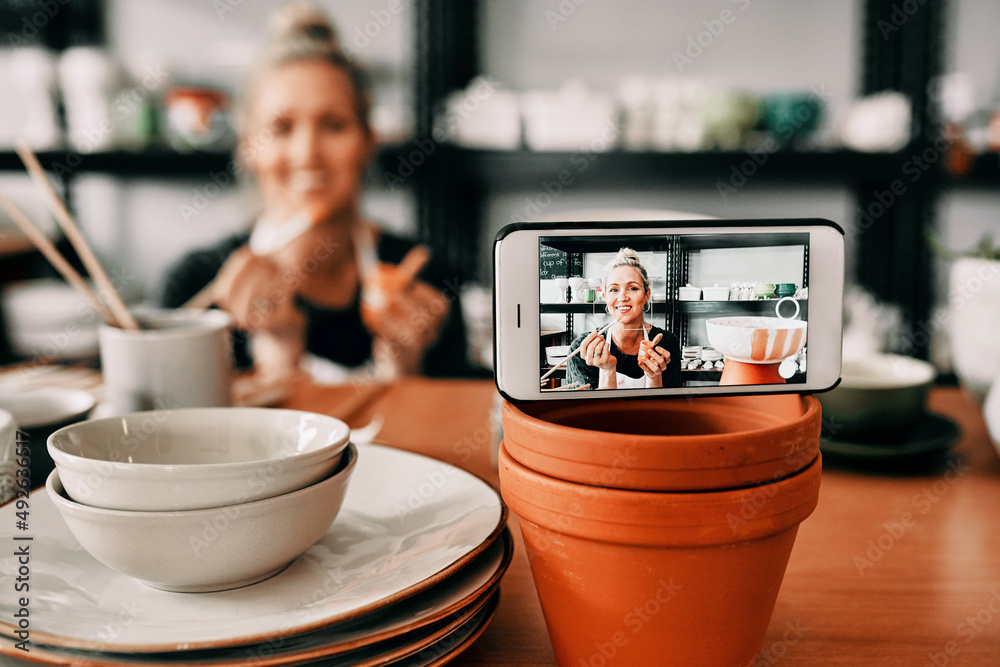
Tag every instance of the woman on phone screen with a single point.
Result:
(632, 353)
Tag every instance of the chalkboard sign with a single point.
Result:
(551, 262)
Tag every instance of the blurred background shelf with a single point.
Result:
(160, 161)
(127, 163)
(526, 168)
(621, 167)
(135, 204)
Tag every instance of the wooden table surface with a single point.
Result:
(889, 570)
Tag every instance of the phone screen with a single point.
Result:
(673, 310)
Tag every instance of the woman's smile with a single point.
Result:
(624, 293)
(308, 180)
(316, 147)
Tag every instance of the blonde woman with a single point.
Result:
(613, 360)
(306, 140)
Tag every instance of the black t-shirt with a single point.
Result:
(577, 370)
(336, 334)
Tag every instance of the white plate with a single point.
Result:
(26, 377)
(418, 620)
(407, 522)
(427, 647)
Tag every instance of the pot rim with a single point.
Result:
(659, 517)
(670, 453)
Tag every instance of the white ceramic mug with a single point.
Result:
(179, 359)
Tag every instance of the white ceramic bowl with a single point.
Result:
(689, 293)
(879, 397)
(756, 340)
(39, 413)
(715, 293)
(207, 549)
(195, 457)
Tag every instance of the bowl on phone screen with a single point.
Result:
(756, 340)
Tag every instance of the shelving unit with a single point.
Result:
(453, 184)
(894, 261)
(684, 246)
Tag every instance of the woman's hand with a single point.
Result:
(405, 318)
(596, 351)
(251, 289)
(654, 362)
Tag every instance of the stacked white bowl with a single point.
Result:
(201, 499)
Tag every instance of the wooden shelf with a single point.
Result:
(158, 161)
(985, 171)
(763, 306)
(619, 167)
(149, 162)
(523, 167)
(698, 242)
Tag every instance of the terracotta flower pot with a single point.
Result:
(650, 578)
(666, 445)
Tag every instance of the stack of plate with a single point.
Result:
(691, 352)
(408, 574)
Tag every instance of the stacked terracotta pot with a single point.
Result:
(658, 531)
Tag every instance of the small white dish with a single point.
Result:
(408, 523)
(212, 549)
(46, 406)
(194, 458)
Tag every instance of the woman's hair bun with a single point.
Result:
(301, 26)
(627, 257)
(628, 254)
(300, 31)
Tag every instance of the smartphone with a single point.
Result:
(586, 310)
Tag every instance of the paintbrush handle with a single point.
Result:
(574, 352)
(51, 253)
(72, 231)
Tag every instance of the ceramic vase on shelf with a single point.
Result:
(683, 510)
